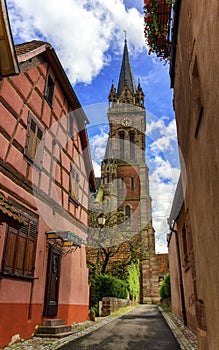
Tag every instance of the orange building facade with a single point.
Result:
(46, 177)
(194, 217)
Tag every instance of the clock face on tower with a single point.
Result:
(126, 121)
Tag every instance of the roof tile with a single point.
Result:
(7, 208)
(29, 46)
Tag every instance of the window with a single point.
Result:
(74, 185)
(49, 91)
(34, 142)
(122, 149)
(132, 183)
(128, 214)
(132, 145)
(122, 184)
(20, 248)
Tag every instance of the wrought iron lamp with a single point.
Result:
(64, 239)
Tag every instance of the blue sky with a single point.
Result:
(88, 37)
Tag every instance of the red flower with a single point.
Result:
(150, 19)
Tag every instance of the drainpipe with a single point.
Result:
(180, 278)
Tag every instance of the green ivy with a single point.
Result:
(133, 281)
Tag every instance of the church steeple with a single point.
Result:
(125, 179)
(126, 76)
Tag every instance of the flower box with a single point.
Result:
(157, 19)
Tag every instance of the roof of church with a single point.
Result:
(126, 76)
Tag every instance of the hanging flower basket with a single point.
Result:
(157, 19)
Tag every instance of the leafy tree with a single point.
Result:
(110, 249)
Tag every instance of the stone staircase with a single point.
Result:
(54, 328)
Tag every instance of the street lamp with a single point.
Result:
(101, 220)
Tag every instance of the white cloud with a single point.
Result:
(81, 31)
(162, 196)
(98, 146)
(97, 168)
(154, 124)
(162, 159)
(163, 181)
(163, 138)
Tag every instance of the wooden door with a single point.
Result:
(52, 281)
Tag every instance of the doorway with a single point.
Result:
(52, 281)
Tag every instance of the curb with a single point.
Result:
(98, 324)
(185, 337)
(37, 343)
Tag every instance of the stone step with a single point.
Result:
(53, 322)
(53, 329)
(49, 335)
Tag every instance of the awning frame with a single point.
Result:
(64, 239)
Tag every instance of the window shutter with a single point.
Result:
(10, 250)
(20, 255)
(29, 264)
(20, 248)
(39, 147)
(35, 138)
(31, 140)
(74, 184)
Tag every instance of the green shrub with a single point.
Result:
(106, 286)
(165, 287)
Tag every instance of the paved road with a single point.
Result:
(141, 329)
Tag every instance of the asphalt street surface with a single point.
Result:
(142, 328)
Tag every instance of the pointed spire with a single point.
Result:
(139, 96)
(126, 76)
(112, 94)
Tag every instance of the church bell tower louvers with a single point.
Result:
(124, 173)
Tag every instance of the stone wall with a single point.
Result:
(109, 305)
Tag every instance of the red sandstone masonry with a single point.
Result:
(11, 96)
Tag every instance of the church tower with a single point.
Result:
(124, 173)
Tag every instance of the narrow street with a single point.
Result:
(142, 328)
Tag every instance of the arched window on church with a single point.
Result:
(122, 145)
(132, 145)
(128, 214)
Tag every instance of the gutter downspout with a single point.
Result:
(180, 278)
